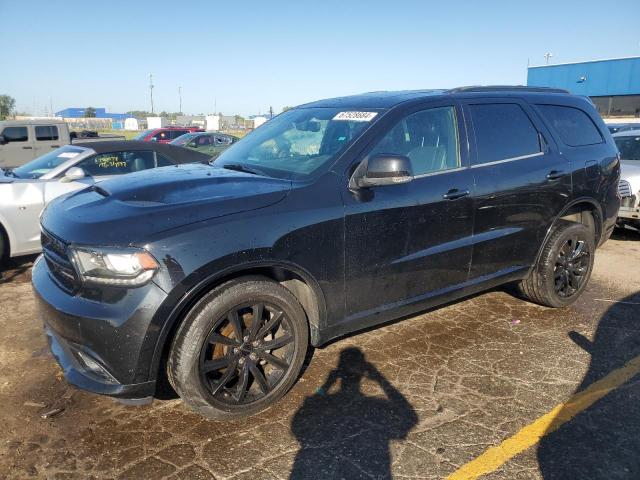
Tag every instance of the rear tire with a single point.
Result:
(564, 267)
(239, 349)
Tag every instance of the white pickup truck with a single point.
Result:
(23, 140)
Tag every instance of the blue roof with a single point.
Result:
(598, 78)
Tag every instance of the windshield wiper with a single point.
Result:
(239, 167)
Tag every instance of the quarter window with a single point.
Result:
(49, 132)
(503, 131)
(573, 125)
(429, 138)
(15, 134)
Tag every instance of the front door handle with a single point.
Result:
(555, 174)
(455, 193)
(55, 146)
(27, 148)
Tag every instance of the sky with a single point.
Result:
(241, 57)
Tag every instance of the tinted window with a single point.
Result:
(47, 133)
(177, 133)
(15, 134)
(429, 138)
(572, 124)
(163, 161)
(117, 163)
(202, 141)
(162, 135)
(629, 147)
(503, 131)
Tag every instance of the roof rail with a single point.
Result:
(506, 88)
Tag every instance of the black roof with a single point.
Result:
(388, 99)
(175, 153)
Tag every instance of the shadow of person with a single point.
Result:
(345, 434)
(603, 440)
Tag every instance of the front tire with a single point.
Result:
(239, 349)
(564, 267)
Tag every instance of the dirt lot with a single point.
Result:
(419, 398)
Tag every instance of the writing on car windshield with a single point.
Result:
(298, 142)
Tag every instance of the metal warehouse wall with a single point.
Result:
(598, 78)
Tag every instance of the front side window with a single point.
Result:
(117, 163)
(629, 147)
(429, 138)
(503, 132)
(161, 136)
(298, 143)
(49, 132)
(202, 141)
(15, 134)
(574, 126)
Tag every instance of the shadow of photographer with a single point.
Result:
(346, 433)
(603, 440)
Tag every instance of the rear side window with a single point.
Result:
(15, 134)
(49, 132)
(575, 127)
(503, 131)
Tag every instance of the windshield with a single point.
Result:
(44, 164)
(183, 139)
(629, 147)
(298, 142)
(142, 134)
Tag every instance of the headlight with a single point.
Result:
(126, 267)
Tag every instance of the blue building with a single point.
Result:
(78, 112)
(613, 84)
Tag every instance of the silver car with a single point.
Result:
(26, 190)
(628, 143)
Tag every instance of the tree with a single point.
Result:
(7, 104)
(285, 108)
(89, 112)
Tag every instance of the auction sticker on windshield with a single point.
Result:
(356, 116)
(68, 154)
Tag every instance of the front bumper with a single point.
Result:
(104, 346)
(629, 213)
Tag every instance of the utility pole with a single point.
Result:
(270, 113)
(547, 56)
(151, 90)
(180, 96)
(51, 105)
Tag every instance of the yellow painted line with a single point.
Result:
(495, 457)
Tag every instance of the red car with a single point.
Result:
(165, 134)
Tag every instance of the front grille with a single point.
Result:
(56, 255)
(624, 189)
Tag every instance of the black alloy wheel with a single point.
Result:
(572, 265)
(247, 353)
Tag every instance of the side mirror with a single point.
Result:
(3, 141)
(384, 169)
(73, 174)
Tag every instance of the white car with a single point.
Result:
(628, 143)
(26, 190)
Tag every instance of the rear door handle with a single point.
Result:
(455, 193)
(555, 174)
(27, 148)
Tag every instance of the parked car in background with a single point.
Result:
(335, 216)
(24, 191)
(622, 127)
(23, 140)
(211, 143)
(165, 134)
(628, 143)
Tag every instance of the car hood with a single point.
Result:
(131, 208)
(630, 171)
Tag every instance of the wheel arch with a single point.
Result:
(581, 210)
(296, 279)
(4, 237)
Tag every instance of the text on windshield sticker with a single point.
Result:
(356, 116)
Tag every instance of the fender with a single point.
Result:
(206, 284)
(598, 220)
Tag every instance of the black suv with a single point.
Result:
(332, 217)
